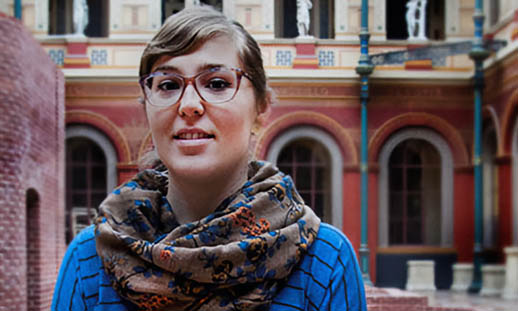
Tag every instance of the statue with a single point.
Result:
(410, 18)
(80, 17)
(303, 7)
(422, 20)
(416, 7)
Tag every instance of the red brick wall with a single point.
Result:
(31, 170)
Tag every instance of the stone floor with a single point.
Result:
(450, 299)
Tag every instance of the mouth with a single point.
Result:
(192, 135)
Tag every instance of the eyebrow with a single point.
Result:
(201, 68)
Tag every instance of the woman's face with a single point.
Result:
(198, 139)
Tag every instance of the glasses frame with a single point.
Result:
(192, 80)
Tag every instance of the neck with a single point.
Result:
(195, 198)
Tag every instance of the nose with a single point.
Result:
(190, 104)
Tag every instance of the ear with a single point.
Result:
(264, 110)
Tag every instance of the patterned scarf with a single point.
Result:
(237, 258)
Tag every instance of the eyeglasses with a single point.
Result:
(214, 86)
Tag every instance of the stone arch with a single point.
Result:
(490, 151)
(446, 181)
(508, 123)
(299, 132)
(420, 119)
(93, 134)
(299, 118)
(489, 115)
(104, 125)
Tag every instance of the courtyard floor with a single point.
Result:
(451, 299)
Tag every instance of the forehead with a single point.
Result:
(218, 51)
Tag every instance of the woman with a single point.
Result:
(207, 229)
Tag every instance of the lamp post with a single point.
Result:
(364, 69)
(478, 54)
(18, 9)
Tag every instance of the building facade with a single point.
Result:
(420, 126)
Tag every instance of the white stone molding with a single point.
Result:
(115, 15)
(189, 3)
(229, 8)
(155, 15)
(341, 16)
(462, 276)
(446, 182)
(420, 275)
(452, 17)
(42, 16)
(514, 183)
(336, 169)
(84, 131)
(379, 18)
(268, 11)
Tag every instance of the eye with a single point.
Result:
(168, 85)
(217, 84)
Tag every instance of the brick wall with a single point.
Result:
(31, 170)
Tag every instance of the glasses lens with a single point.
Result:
(164, 90)
(217, 85)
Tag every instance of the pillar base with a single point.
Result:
(462, 276)
(421, 275)
(492, 280)
(510, 290)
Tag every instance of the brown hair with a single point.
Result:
(186, 31)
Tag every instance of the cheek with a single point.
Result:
(158, 123)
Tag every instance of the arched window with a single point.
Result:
(308, 163)
(415, 194)
(396, 24)
(86, 176)
(490, 186)
(415, 187)
(300, 142)
(321, 19)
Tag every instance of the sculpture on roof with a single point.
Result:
(80, 16)
(303, 7)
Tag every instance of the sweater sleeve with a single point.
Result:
(345, 290)
(68, 293)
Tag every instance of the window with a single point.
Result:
(308, 163)
(414, 194)
(217, 4)
(61, 14)
(85, 183)
(321, 19)
(170, 7)
(396, 24)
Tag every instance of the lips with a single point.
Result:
(192, 134)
